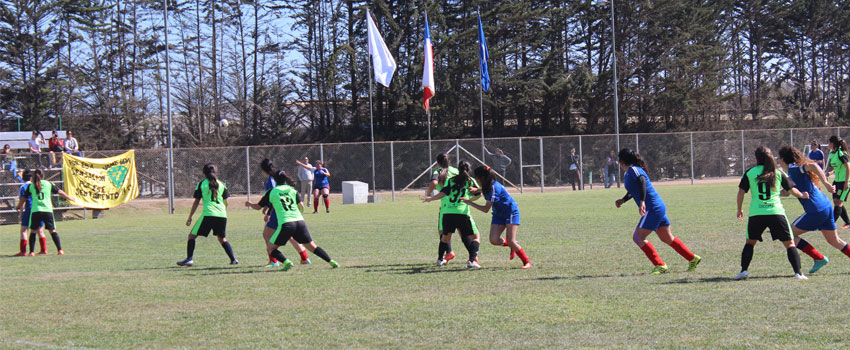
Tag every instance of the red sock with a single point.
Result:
(23, 246)
(812, 252)
(504, 242)
(315, 203)
(42, 241)
(682, 249)
(304, 255)
(272, 260)
(522, 256)
(650, 252)
(327, 203)
(846, 250)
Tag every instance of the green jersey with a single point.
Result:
(451, 203)
(836, 161)
(435, 176)
(765, 199)
(213, 206)
(284, 200)
(42, 201)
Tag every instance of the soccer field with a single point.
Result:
(118, 286)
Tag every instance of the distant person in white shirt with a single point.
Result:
(305, 177)
(36, 141)
(71, 145)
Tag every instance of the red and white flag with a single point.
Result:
(428, 73)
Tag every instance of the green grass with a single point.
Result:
(118, 286)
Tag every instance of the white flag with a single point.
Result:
(382, 60)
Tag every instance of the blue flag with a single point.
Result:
(482, 54)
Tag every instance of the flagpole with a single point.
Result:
(481, 98)
(430, 154)
(371, 124)
(168, 108)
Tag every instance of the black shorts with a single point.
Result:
(457, 222)
(37, 218)
(778, 224)
(840, 191)
(210, 223)
(292, 229)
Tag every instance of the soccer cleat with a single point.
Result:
(692, 265)
(61, 252)
(846, 226)
(305, 261)
(287, 264)
(21, 254)
(449, 257)
(43, 252)
(273, 264)
(801, 277)
(327, 211)
(234, 262)
(659, 269)
(513, 255)
(472, 264)
(743, 275)
(441, 262)
(32, 253)
(333, 263)
(818, 264)
(187, 262)
(315, 212)
(526, 266)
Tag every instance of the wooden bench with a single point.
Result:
(9, 200)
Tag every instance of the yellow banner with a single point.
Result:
(100, 183)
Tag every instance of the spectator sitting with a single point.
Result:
(71, 145)
(55, 145)
(35, 146)
(10, 163)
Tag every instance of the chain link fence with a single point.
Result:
(535, 162)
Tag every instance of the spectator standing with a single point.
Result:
(610, 170)
(55, 145)
(500, 160)
(305, 177)
(817, 154)
(574, 174)
(35, 146)
(71, 145)
(10, 163)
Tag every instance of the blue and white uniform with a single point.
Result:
(656, 211)
(320, 181)
(270, 184)
(817, 154)
(818, 207)
(505, 209)
(25, 215)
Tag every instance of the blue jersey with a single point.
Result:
(632, 182)
(319, 178)
(818, 201)
(23, 194)
(816, 154)
(270, 183)
(503, 203)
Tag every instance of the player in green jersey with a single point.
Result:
(438, 180)
(288, 206)
(839, 161)
(766, 209)
(214, 194)
(41, 215)
(455, 212)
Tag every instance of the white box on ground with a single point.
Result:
(355, 192)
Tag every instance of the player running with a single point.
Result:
(839, 161)
(320, 184)
(455, 213)
(40, 193)
(653, 213)
(505, 213)
(287, 205)
(271, 219)
(438, 181)
(818, 216)
(214, 194)
(766, 209)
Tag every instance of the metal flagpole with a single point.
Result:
(371, 125)
(430, 153)
(481, 100)
(168, 109)
(616, 99)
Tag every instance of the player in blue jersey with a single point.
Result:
(652, 210)
(320, 184)
(505, 213)
(818, 215)
(25, 221)
(269, 170)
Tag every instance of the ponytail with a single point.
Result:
(210, 172)
(791, 155)
(816, 144)
(267, 166)
(27, 175)
(460, 180)
(485, 177)
(765, 158)
(839, 143)
(37, 175)
(280, 177)
(630, 157)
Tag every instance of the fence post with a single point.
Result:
(792, 137)
(637, 144)
(248, 171)
(322, 152)
(743, 166)
(457, 152)
(392, 170)
(542, 173)
(580, 165)
(692, 157)
(521, 185)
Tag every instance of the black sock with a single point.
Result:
(844, 215)
(229, 250)
(794, 259)
(474, 254)
(836, 212)
(32, 242)
(467, 242)
(322, 254)
(746, 257)
(441, 252)
(448, 247)
(278, 255)
(802, 244)
(55, 237)
(190, 249)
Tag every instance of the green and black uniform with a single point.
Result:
(454, 211)
(284, 200)
(214, 215)
(42, 205)
(435, 176)
(837, 160)
(766, 209)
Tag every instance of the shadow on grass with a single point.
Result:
(418, 268)
(724, 279)
(243, 272)
(583, 277)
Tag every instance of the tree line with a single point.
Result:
(296, 71)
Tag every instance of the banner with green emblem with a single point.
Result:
(100, 183)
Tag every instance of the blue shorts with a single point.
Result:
(25, 219)
(822, 220)
(321, 186)
(272, 224)
(653, 220)
(505, 218)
